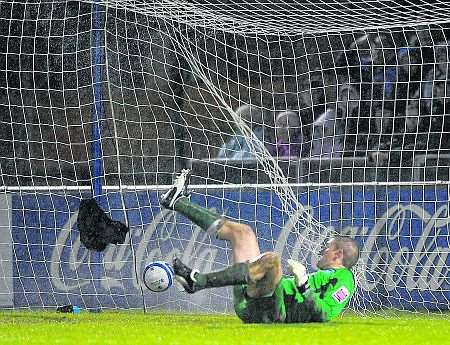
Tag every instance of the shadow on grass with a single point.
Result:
(38, 317)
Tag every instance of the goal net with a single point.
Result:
(301, 119)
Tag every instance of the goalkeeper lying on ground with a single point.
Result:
(261, 293)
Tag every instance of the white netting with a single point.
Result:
(300, 119)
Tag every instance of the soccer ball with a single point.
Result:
(158, 276)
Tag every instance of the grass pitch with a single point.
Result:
(122, 328)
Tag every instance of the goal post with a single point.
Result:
(302, 120)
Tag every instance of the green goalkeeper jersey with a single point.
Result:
(326, 295)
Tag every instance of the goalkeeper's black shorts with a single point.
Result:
(264, 309)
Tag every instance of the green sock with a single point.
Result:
(201, 216)
(233, 275)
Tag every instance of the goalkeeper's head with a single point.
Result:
(339, 251)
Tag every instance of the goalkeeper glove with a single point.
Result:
(300, 275)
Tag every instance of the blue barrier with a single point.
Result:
(403, 233)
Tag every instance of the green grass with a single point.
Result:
(29, 328)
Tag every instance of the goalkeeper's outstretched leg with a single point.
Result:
(260, 273)
(241, 236)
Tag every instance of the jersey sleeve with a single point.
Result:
(329, 291)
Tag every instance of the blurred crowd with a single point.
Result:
(392, 103)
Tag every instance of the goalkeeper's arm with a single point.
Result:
(300, 275)
(328, 291)
(331, 290)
